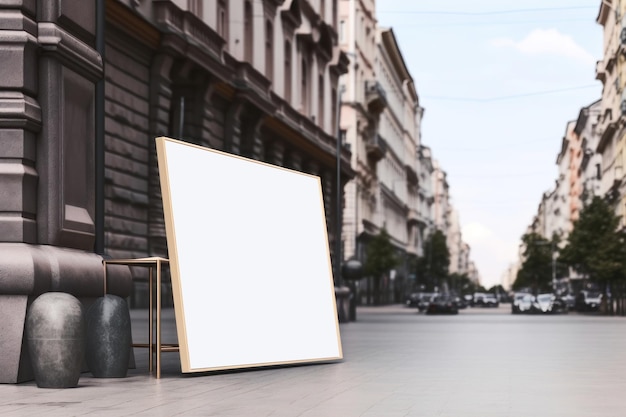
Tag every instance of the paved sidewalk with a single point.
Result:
(479, 363)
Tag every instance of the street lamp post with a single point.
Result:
(338, 214)
(338, 207)
(553, 267)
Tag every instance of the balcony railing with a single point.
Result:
(600, 73)
(376, 148)
(605, 130)
(375, 96)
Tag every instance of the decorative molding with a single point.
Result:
(70, 51)
(20, 111)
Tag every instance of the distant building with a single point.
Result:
(455, 243)
(441, 195)
(360, 118)
(400, 125)
(590, 171)
(611, 72)
(426, 198)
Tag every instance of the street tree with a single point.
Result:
(595, 248)
(536, 270)
(381, 258)
(498, 290)
(434, 265)
(461, 283)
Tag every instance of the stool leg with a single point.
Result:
(104, 273)
(151, 320)
(158, 306)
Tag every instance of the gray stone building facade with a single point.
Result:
(85, 87)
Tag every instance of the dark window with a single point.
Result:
(304, 88)
(222, 19)
(248, 30)
(320, 101)
(269, 51)
(288, 71)
(333, 106)
(195, 7)
(598, 172)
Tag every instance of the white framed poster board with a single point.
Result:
(250, 262)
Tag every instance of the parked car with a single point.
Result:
(425, 299)
(550, 304)
(523, 303)
(442, 304)
(588, 301)
(477, 299)
(461, 302)
(570, 301)
(485, 300)
(490, 300)
(412, 299)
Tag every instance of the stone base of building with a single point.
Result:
(27, 271)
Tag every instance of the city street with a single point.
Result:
(479, 363)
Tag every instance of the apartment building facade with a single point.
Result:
(362, 101)
(455, 243)
(380, 120)
(426, 199)
(88, 87)
(441, 199)
(558, 214)
(400, 123)
(590, 170)
(611, 72)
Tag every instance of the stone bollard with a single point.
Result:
(108, 337)
(55, 333)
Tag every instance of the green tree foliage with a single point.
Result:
(497, 289)
(595, 248)
(433, 267)
(461, 284)
(439, 255)
(381, 258)
(536, 270)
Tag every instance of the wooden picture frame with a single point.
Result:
(250, 262)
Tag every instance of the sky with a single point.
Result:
(499, 80)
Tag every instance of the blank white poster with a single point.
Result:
(250, 262)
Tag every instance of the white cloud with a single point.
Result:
(547, 42)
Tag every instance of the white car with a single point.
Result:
(523, 303)
(550, 304)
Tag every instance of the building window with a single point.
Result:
(333, 116)
(320, 100)
(342, 31)
(195, 7)
(248, 30)
(222, 19)
(304, 88)
(269, 51)
(288, 71)
(598, 172)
